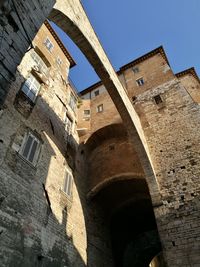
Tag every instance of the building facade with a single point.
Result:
(115, 172)
(38, 143)
(103, 184)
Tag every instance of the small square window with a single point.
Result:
(30, 148)
(140, 82)
(49, 45)
(96, 93)
(86, 112)
(158, 99)
(68, 183)
(59, 61)
(100, 108)
(135, 69)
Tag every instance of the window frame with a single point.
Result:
(59, 61)
(30, 83)
(48, 40)
(68, 183)
(138, 81)
(86, 114)
(96, 93)
(99, 109)
(158, 100)
(24, 146)
(135, 69)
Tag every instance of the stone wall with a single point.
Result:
(169, 113)
(19, 24)
(163, 126)
(41, 225)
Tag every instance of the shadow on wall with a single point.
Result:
(34, 226)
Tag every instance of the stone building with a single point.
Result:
(38, 143)
(117, 179)
(114, 182)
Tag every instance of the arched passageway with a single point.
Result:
(178, 170)
(129, 215)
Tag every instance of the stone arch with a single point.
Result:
(129, 214)
(111, 180)
(102, 134)
(71, 18)
(119, 131)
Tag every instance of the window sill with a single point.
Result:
(26, 161)
(24, 97)
(65, 200)
(66, 195)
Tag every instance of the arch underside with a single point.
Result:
(129, 213)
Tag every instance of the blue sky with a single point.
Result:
(128, 29)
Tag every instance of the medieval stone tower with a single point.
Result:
(107, 177)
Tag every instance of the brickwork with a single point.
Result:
(160, 113)
(109, 154)
(176, 171)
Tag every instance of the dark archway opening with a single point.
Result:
(130, 218)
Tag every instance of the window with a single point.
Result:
(96, 93)
(49, 45)
(140, 82)
(135, 69)
(40, 63)
(100, 108)
(68, 184)
(30, 148)
(59, 61)
(68, 124)
(72, 102)
(87, 112)
(158, 99)
(31, 87)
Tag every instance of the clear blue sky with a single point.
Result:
(128, 29)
